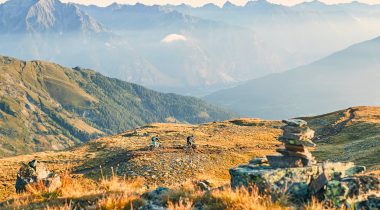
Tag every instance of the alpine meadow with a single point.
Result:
(189, 105)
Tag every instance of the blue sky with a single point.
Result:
(202, 2)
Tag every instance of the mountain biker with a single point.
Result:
(189, 139)
(154, 139)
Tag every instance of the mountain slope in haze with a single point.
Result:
(344, 79)
(199, 53)
(366, 15)
(62, 33)
(45, 106)
(310, 34)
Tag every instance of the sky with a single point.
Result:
(197, 3)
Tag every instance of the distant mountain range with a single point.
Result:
(62, 33)
(209, 53)
(45, 106)
(310, 33)
(344, 79)
(176, 48)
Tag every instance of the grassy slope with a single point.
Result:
(348, 135)
(45, 106)
(343, 135)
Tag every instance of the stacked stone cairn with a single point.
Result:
(296, 137)
(295, 172)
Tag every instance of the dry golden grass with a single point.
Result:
(120, 193)
(220, 145)
(83, 126)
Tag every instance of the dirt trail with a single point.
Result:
(118, 159)
(338, 127)
(125, 157)
(145, 152)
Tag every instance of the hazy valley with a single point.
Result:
(344, 79)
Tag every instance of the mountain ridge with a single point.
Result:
(344, 79)
(45, 106)
(63, 33)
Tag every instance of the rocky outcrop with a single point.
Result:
(296, 173)
(296, 180)
(354, 192)
(35, 172)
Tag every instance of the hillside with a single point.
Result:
(45, 106)
(344, 79)
(345, 135)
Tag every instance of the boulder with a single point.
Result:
(295, 122)
(205, 185)
(294, 129)
(317, 184)
(35, 172)
(299, 136)
(353, 191)
(305, 142)
(373, 202)
(152, 195)
(295, 181)
(282, 161)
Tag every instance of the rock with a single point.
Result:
(299, 136)
(284, 161)
(295, 181)
(260, 160)
(155, 193)
(294, 129)
(203, 186)
(352, 191)
(152, 206)
(373, 202)
(35, 172)
(210, 184)
(355, 170)
(295, 148)
(295, 122)
(306, 154)
(307, 143)
(318, 183)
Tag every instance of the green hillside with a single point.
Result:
(45, 106)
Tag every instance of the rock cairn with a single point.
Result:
(296, 137)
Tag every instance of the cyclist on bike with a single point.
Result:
(189, 139)
(154, 139)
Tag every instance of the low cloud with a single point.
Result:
(173, 38)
